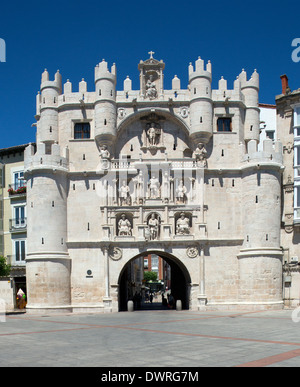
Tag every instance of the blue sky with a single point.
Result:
(74, 36)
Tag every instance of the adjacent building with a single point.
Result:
(288, 130)
(13, 235)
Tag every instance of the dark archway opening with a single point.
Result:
(173, 282)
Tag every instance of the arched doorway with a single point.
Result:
(173, 279)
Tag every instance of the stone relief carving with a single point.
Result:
(153, 132)
(140, 188)
(151, 77)
(151, 91)
(124, 194)
(124, 226)
(104, 153)
(288, 229)
(121, 113)
(152, 138)
(154, 188)
(153, 226)
(192, 252)
(181, 191)
(116, 254)
(288, 148)
(184, 112)
(105, 157)
(183, 225)
(200, 155)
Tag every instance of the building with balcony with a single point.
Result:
(13, 218)
(120, 175)
(288, 130)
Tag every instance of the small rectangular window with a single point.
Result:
(82, 130)
(297, 193)
(270, 134)
(224, 124)
(20, 251)
(297, 123)
(19, 180)
(297, 151)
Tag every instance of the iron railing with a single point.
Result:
(18, 224)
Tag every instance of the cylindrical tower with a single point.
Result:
(201, 106)
(250, 91)
(105, 105)
(260, 259)
(47, 126)
(47, 261)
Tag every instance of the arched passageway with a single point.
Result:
(173, 278)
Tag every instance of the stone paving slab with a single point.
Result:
(151, 339)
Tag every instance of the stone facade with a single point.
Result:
(117, 175)
(288, 124)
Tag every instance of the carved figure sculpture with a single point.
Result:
(105, 156)
(124, 226)
(181, 192)
(154, 187)
(104, 153)
(153, 134)
(124, 194)
(151, 91)
(140, 188)
(183, 225)
(200, 155)
(153, 225)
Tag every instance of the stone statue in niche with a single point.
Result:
(124, 194)
(200, 155)
(181, 192)
(124, 226)
(104, 153)
(183, 225)
(140, 188)
(105, 157)
(153, 226)
(154, 187)
(151, 91)
(153, 134)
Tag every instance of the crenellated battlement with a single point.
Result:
(271, 153)
(46, 157)
(252, 82)
(55, 84)
(102, 72)
(225, 95)
(199, 69)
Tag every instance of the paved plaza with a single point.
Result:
(152, 338)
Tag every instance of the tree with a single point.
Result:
(150, 276)
(4, 267)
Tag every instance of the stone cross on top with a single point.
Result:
(151, 53)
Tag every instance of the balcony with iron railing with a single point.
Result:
(18, 225)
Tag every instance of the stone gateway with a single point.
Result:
(117, 175)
